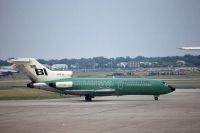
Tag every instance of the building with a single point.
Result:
(180, 63)
(59, 67)
(122, 64)
(133, 64)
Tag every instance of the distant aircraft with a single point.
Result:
(11, 67)
(1, 74)
(63, 82)
(8, 70)
(189, 48)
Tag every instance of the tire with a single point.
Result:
(156, 98)
(88, 98)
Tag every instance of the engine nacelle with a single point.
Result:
(63, 73)
(30, 85)
(36, 85)
(61, 84)
(70, 73)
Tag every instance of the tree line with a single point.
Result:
(102, 62)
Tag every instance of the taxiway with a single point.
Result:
(178, 112)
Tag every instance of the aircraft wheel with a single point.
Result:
(88, 98)
(156, 98)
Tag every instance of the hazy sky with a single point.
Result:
(51, 29)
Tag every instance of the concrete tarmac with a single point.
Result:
(178, 112)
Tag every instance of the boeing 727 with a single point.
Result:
(63, 82)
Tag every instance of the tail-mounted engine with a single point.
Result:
(61, 84)
(36, 85)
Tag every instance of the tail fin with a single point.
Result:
(13, 66)
(38, 72)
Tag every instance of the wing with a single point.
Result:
(99, 92)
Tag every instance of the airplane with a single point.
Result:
(63, 82)
(1, 74)
(189, 48)
(13, 66)
(8, 70)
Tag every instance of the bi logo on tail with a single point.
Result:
(41, 71)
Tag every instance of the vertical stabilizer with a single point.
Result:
(38, 72)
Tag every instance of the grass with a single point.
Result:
(23, 93)
(189, 84)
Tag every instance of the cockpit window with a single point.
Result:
(164, 83)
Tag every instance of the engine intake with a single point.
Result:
(36, 85)
(30, 85)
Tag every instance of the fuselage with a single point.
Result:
(116, 86)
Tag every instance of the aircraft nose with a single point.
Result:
(172, 88)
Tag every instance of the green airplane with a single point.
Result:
(63, 82)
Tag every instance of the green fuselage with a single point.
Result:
(115, 86)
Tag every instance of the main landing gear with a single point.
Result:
(155, 97)
(88, 97)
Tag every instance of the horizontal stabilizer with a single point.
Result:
(15, 61)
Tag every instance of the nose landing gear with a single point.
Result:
(156, 97)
